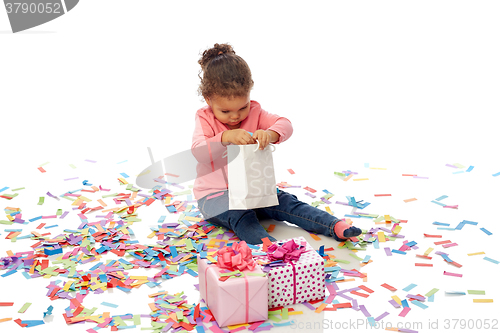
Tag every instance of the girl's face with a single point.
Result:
(230, 111)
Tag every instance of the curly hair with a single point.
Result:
(225, 74)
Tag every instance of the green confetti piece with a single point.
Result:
(476, 292)
(119, 321)
(342, 261)
(44, 164)
(18, 189)
(71, 165)
(6, 222)
(24, 308)
(137, 319)
(284, 313)
(59, 212)
(432, 292)
(355, 256)
(458, 165)
(41, 200)
(256, 274)
(274, 318)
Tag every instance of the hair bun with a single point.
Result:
(217, 50)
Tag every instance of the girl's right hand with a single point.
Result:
(238, 137)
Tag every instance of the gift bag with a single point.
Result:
(251, 182)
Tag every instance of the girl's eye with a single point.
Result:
(225, 111)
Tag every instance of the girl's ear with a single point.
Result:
(209, 102)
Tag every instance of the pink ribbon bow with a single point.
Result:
(238, 256)
(288, 252)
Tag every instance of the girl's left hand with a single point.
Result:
(264, 138)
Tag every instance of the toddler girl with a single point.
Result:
(230, 117)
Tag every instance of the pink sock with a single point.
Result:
(340, 227)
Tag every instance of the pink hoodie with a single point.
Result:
(208, 150)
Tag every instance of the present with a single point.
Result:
(234, 289)
(296, 272)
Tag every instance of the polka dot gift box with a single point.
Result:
(295, 272)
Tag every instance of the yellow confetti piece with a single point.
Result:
(396, 230)
(387, 218)
(359, 179)
(138, 277)
(84, 198)
(381, 236)
(67, 285)
(482, 300)
(151, 235)
(378, 168)
(475, 254)
(429, 250)
(232, 327)
(292, 313)
(328, 210)
(397, 299)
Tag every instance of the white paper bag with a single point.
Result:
(251, 182)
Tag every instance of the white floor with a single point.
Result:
(405, 87)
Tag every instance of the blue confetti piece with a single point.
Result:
(371, 320)
(410, 287)
(496, 174)
(375, 244)
(438, 203)
(469, 222)
(367, 258)
(35, 218)
(441, 198)
(32, 323)
(397, 251)
(419, 304)
(124, 174)
(445, 228)
(458, 172)
(48, 312)
(469, 169)
(410, 244)
(431, 298)
(109, 304)
(486, 231)
(286, 323)
(51, 226)
(460, 226)
(3, 189)
(445, 257)
(492, 260)
(367, 165)
(404, 303)
(440, 223)
(9, 273)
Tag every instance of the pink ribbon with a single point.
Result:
(238, 256)
(288, 252)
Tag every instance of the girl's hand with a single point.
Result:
(238, 137)
(264, 138)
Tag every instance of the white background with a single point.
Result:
(407, 86)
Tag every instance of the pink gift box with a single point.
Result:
(236, 300)
(299, 281)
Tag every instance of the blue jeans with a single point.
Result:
(246, 225)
